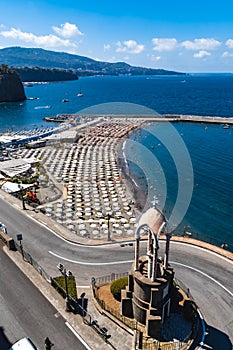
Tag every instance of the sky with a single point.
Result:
(186, 36)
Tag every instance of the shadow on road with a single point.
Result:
(216, 339)
(5, 344)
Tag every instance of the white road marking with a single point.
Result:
(204, 250)
(202, 343)
(53, 232)
(118, 243)
(78, 336)
(90, 263)
(106, 245)
(204, 274)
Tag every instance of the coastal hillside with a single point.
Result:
(37, 74)
(11, 87)
(19, 57)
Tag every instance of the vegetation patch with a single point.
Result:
(117, 286)
(60, 285)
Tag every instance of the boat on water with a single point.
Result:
(64, 100)
(226, 126)
(41, 107)
(59, 118)
(80, 94)
(27, 84)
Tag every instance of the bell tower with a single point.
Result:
(147, 297)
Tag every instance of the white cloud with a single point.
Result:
(129, 46)
(229, 43)
(153, 57)
(201, 54)
(227, 54)
(67, 30)
(111, 59)
(106, 47)
(164, 44)
(42, 40)
(201, 44)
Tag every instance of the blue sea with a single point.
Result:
(210, 147)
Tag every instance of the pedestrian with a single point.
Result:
(48, 344)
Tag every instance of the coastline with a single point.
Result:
(137, 193)
(140, 199)
(130, 181)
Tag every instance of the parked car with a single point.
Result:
(23, 344)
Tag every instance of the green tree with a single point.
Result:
(4, 68)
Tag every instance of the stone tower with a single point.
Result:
(147, 297)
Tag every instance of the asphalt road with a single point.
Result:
(25, 312)
(209, 278)
(207, 275)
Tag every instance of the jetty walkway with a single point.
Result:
(165, 118)
(60, 118)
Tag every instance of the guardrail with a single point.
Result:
(207, 239)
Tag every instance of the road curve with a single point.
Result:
(207, 274)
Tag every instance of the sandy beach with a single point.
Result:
(83, 185)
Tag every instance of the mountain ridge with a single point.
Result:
(19, 57)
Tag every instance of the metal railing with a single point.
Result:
(110, 278)
(207, 239)
(27, 257)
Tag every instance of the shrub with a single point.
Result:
(117, 286)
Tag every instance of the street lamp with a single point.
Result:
(21, 194)
(109, 216)
(65, 273)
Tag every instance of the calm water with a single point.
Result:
(211, 148)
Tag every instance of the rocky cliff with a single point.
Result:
(11, 87)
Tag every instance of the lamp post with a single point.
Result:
(21, 194)
(65, 273)
(82, 296)
(109, 216)
(20, 238)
